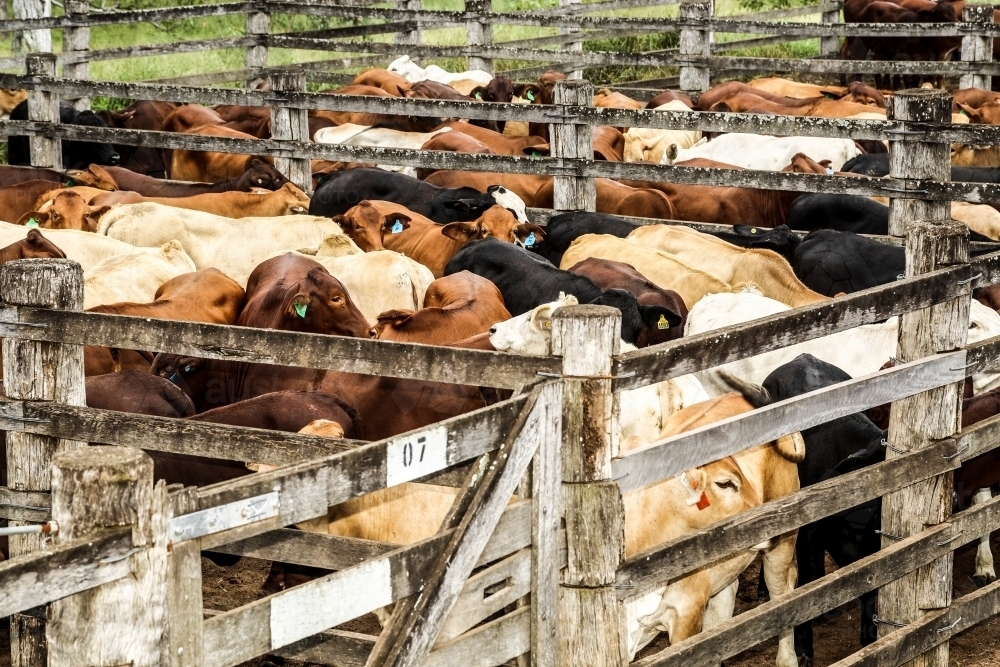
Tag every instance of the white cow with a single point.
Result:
(233, 246)
(350, 134)
(413, 73)
(646, 143)
(87, 248)
(134, 277)
(757, 151)
(980, 218)
(643, 410)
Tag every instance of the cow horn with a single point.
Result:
(755, 394)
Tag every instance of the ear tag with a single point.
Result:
(535, 154)
(530, 241)
(691, 486)
(703, 502)
(662, 323)
(479, 96)
(829, 171)
(300, 308)
(31, 223)
(753, 230)
(961, 112)
(69, 184)
(531, 96)
(187, 369)
(396, 229)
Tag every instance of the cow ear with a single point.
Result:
(96, 213)
(34, 219)
(396, 222)
(34, 237)
(392, 317)
(538, 150)
(340, 219)
(525, 230)
(659, 317)
(974, 114)
(541, 319)
(460, 231)
(299, 305)
(478, 93)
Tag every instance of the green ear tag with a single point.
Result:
(479, 96)
(69, 184)
(300, 308)
(397, 227)
(32, 223)
(962, 112)
(535, 154)
(662, 323)
(531, 96)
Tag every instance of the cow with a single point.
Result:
(134, 277)
(234, 246)
(752, 151)
(257, 174)
(501, 144)
(456, 307)
(67, 210)
(845, 213)
(527, 282)
(832, 262)
(9, 99)
(12, 175)
(137, 392)
(288, 411)
(564, 228)
(668, 96)
(772, 275)
(444, 205)
(541, 92)
(18, 199)
(209, 166)
(366, 225)
(75, 154)
(351, 134)
(414, 73)
(141, 115)
(86, 248)
(33, 246)
(855, 91)
(287, 200)
(649, 145)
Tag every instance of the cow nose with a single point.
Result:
(493, 330)
(115, 158)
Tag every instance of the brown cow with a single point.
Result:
(12, 175)
(608, 274)
(367, 225)
(619, 199)
(190, 116)
(972, 97)
(257, 174)
(19, 199)
(67, 211)
(988, 113)
(10, 98)
(498, 143)
(207, 166)
(288, 411)
(608, 142)
(525, 186)
(540, 93)
(456, 307)
(251, 120)
(137, 392)
(390, 82)
(32, 246)
(669, 96)
(287, 200)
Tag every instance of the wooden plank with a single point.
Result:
(721, 346)
(695, 43)
(811, 600)
(979, 438)
(486, 593)
(25, 505)
(271, 346)
(655, 567)
(308, 489)
(126, 16)
(184, 593)
(40, 577)
(699, 446)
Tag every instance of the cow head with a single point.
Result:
(497, 222)
(101, 153)
(530, 92)
(319, 303)
(803, 164)
(366, 225)
(637, 317)
(862, 93)
(500, 89)
(94, 177)
(117, 118)
(67, 210)
(259, 174)
(531, 332)
(781, 239)
(296, 201)
(32, 246)
(185, 372)
(10, 98)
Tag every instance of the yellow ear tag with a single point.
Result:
(753, 230)
(300, 308)
(31, 223)
(547, 325)
(662, 323)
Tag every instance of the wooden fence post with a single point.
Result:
(76, 41)
(414, 36)
(829, 47)
(46, 372)
(572, 47)
(184, 601)
(290, 124)
(931, 243)
(258, 27)
(977, 49)
(911, 158)
(43, 106)
(695, 44)
(591, 619)
(123, 622)
(569, 140)
(479, 33)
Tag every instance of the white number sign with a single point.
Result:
(411, 457)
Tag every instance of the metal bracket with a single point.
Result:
(224, 517)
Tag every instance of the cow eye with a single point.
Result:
(336, 299)
(727, 484)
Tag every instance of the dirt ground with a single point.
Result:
(836, 636)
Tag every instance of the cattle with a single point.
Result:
(780, 239)
(12, 175)
(19, 199)
(234, 246)
(135, 277)
(868, 165)
(444, 205)
(288, 411)
(831, 449)
(564, 228)
(632, 200)
(832, 262)
(257, 174)
(137, 392)
(366, 225)
(453, 142)
(208, 166)
(648, 144)
(251, 120)
(668, 96)
(501, 144)
(608, 144)
(67, 210)
(292, 292)
(772, 275)
(456, 307)
(859, 351)
(287, 200)
(540, 93)
(433, 245)
(413, 73)
(982, 219)
(86, 248)
(845, 213)
(141, 115)
(527, 282)
(75, 154)
(972, 97)
(189, 117)
(752, 151)
(9, 99)
(350, 134)
(33, 246)
(390, 82)
(855, 91)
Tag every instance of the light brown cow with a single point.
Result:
(286, 200)
(10, 98)
(209, 167)
(367, 225)
(67, 210)
(390, 82)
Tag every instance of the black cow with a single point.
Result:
(780, 239)
(75, 154)
(878, 165)
(845, 213)
(831, 262)
(563, 229)
(527, 281)
(834, 448)
(345, 190)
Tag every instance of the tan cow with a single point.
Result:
(287, 200)
(648, 144)
(135, 278)
(10, 98)
(66, 210)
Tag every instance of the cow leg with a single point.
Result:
(780, 574)
(985, 572)
(721, 607)
(809, 553)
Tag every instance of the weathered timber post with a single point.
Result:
(414, 36)
(591, 619)
(123, 622)
(911, 158)
(570, 140)
(977, 49)
(43, 106)
(931, 243)
(76, 43)
(479, 33)
(291, 124)
(258, 27)
(184, 601)
(572, 47)
(42, 372)
(829, 47)
(695, 45)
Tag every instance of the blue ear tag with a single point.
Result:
(530, 241)
(829, 171)
(300, 308)
(397, 227)
(531, 96)
(31, 223)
